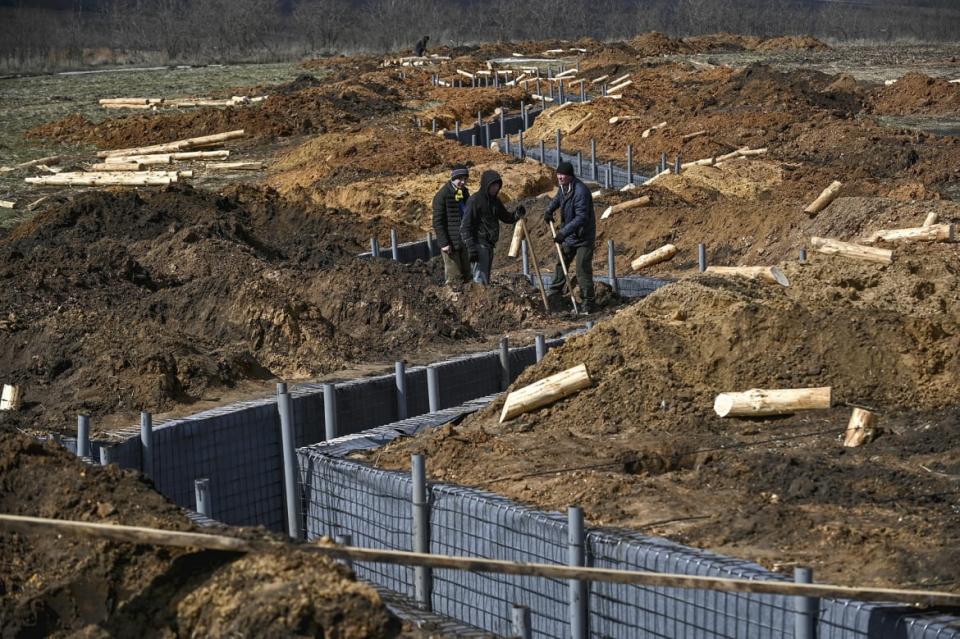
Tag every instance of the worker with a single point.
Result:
(480, 227)
(448, 206)
(420, 47)
(576, 235)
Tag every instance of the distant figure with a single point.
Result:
(421, 46)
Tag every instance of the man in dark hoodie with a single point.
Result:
(480, 227)
(448, 207)
(420, 47)
(576, 235)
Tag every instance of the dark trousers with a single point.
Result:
(583, 257)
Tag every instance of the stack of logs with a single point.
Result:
(152, 104)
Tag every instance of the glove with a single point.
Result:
(474, 257)
(560, 237)
(548, 217)
(519, 212)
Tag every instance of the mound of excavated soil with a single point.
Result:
(918, 94)
(655, 43)
(54, 585)
(722, 42)
(792, 43)
(121, 301)
(643, 445)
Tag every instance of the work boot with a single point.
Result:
(587, 307)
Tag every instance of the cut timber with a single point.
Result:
(166, 158)
(579, 123)
(746, 153)
(772, 274)
(861, 429)
(118, 166)
(178, 145)
(545, 98)
(695, 134)
(829, 246)
(619, 80)
(515, 241)
(554, 111)
(620, 87)
(624, 118)
(600, 79)
(623, 206)
(662, 254)
(823, 200)
(931, 233)
(106, 179)
(10, 400)
(546, 391)
(6, 204)
(656, 127)
(702, 162)
(931, 218)
(466, 74)
(610, 96)
(659, 175)
(129, 106)
(566, 73)
(759, 402)
(235, 166)
(50, 159)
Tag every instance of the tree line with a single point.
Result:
(200, 31)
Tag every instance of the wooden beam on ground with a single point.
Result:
(178, 145)
(624, 118)
(701, 162)
(50, 159)
(695, 134)
(7, 204)
(118, 166)
(823, 200)
(829, 246)
(772, 274)
(622, 78)
(651, 130)
(623, 206)
(546, 391)
(235, 166)
(549, 113)
(10, 399)
(759, 402)
(600, 79)
(931, 218)
(579, 123)
(619, 87)
(662, 254)
(931, 233)
(861, 429)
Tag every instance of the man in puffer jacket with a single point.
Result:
(576, 235)
(448, 207)
(480, 227)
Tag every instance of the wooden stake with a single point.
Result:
(10, 400)
(579, 123)
(758, 402)
(624, 118)
(823, 200)
(931, 218)
(516, 240)
(600, 79)
(546, 391)
(772, 274)
(619, 87)
(7, 204)
(829, 246)
(619, 80)
(153, 536)
(656, 127)
(552, 112)
(690, 136)
(861, 429)
(623, 206)
(536, 266)
(926, 233)
(662, 254)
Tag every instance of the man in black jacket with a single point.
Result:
(448, 206)
(420, 47)
(480, 227)
(576, 235)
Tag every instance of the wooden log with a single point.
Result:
(623, 206)
(146, 160)
(620, 87)
(579, 123)
(659, 175)
(695, 134)
(729, 156)
(823, 200)
(861, 429)
(50, 159)
(466, 74)
(772, 274)
(10, 400)
(178, 145)
(7, 204)
(124, 101)
(931, 233)
(515, 241)
(545, 98)
(619, 80)
(752, 152)
(552, 112)
(141, 107)
(701, 162)
(829, 246)
(618, 96)
(564, 74)
(624, 118)
(662, 254)
(144, 178)
(552, 51)
(931, 218)
(235, 166)
(118, 166)
(600, 79)
(759, 402)
(544, 392)
(650, 131)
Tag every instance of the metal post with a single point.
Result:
(612, 268)
(374, 247)
(520, 618)
(504, 363)
(486, 134)
(803, 255)
(479, 117)
(577, 588)
(146, 443)
(593, 159)
(503, 124)
(676, 167)
(456, 128)
(526, 86)
(807, 609)
(609, 174)
(603, 89)
(583, 91)
(506, 144)
(663, 162)
(83, 435)
(702, 257)
(108, 455)
(344, 539)
(400, 373)
(589, 324)
(330, 411)
(430, 244)
(523, 115)
(291, 487)
(629, 164)
(421, 529)
(523, 150)
(525, 259)
(281, 387)
(560, 91)
(559, 157)
(394, 245)
(473, 139)
(201, 488)
(543, 156)
(540, 343)
(433, 389)
(433, 125)
(579, 164)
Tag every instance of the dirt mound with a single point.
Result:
(125, 301)
(793, 43)
(721, 43)
(655, 43)
(881, 337)
(918, 94)
(759, 85)
(464, 104)
(65, 586)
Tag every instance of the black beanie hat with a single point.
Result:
(459, 171)
(565, 168)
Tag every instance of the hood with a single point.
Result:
(488, 178)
